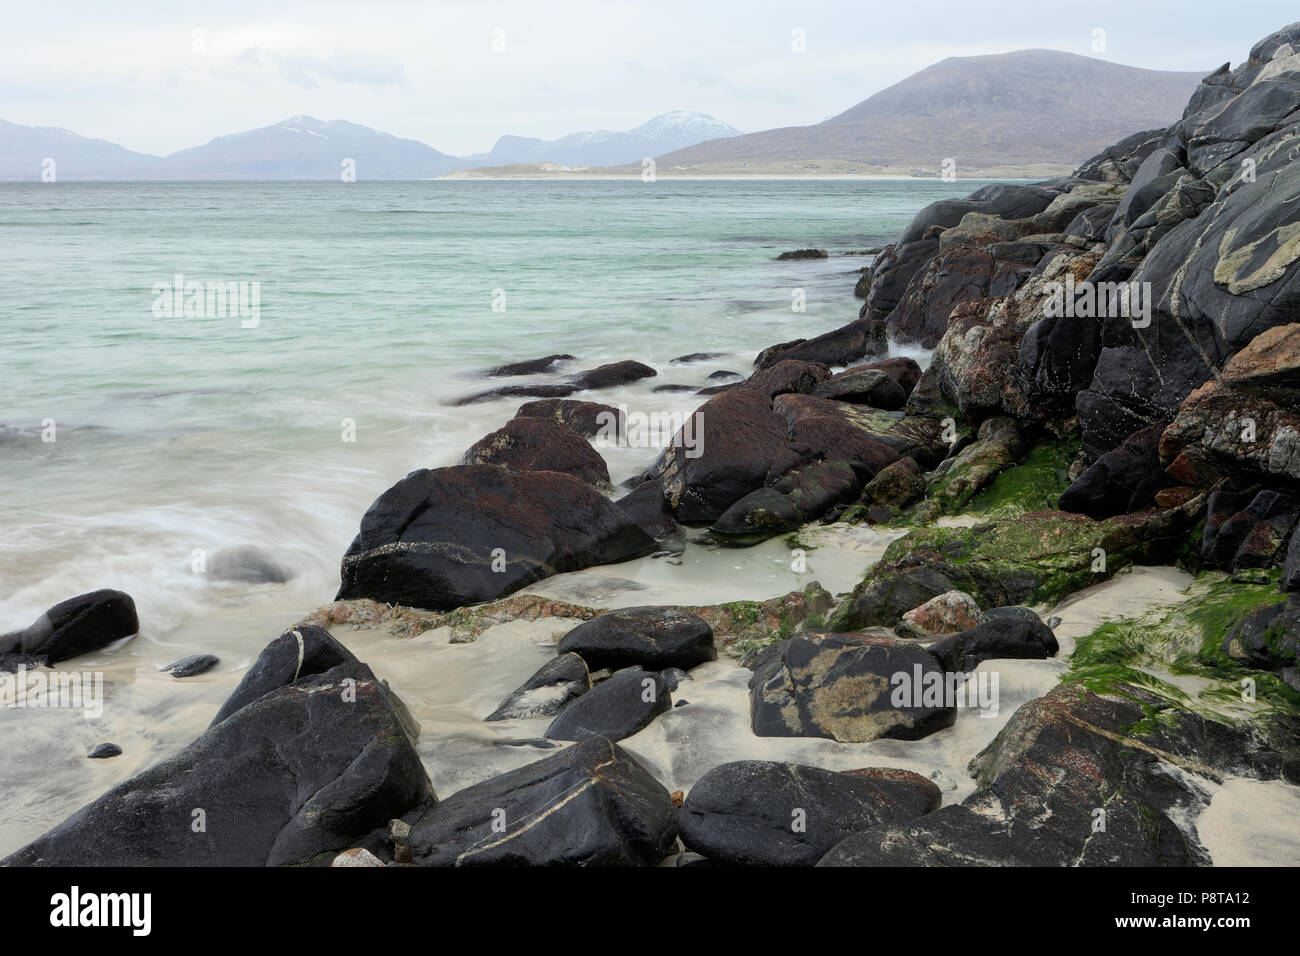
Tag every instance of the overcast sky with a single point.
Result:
(161, 75)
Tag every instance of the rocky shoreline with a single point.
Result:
(1114, 383)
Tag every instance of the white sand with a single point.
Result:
(1252, 823)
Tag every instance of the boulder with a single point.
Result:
(833, 430)
(1121, 481)
(545, 693)
(592, 804)
(294, 777)
(787, 375)
(846, 687)
(947, 613)
(838, 347)
(654, 637)
(761, 514)
(896, 485)
(449, 537)
(646, 505)
(761, 813)
(617, 707)
(546, 363)
(540, 444)
(71, 628)
(739, 445)
(863, 386)
(1016, 638)
(606, 376)
(588, 419)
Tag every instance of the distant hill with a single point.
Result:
(303, 147)
(1027, 107)
(23, 149)
(665, 132)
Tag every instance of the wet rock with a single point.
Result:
(760, 813)
(839, 431)
(863, 386)
(606, 376)
(896, 485)
(192, 666)
(450, 537)
(839, 347)
(673, 677)
(655, 637)
(291, 778)
(697, 357)
(947, 613)
(736, 444)
(546, 363)
(846, 687)
(803, 254)
(591, 804)
(539, 444)
(545, 693)
(615, 708)
(1268, 638)
(759, 515)
(1012, 638)
(787, 375)
(70, 628)
(588, 419)
(104, 751)
(647, 506)
(299, 652)
(1121, 481)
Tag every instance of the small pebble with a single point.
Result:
(192, 666)
(104, 751)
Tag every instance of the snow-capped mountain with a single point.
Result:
(662, 134)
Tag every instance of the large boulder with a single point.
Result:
(1121, 481)
(762, 813)
(739, 445)
(70, 628)
(655, 637)
(787, 375)
(540, 444)
(449, 537)
(848, 687)
(833, 430)
(299, 652)
(312, 768)
(864, 386)
(592, 804)
(842, 346)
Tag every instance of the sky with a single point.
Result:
(161, 75)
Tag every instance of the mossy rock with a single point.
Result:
(1033, 559)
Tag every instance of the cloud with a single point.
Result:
(339, 67)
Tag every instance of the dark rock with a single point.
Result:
(839, 347)
(530, 367)
(787, 375)
(1121, 481)
(673, 677)
(656, 637)
(591, 804)
(615, 708)
(192, 666)
(837, 430)
(555, 684)
(606, 376)
(1001, 637)
(104, 751)
(896, 485)
(804, 254)
(723, 373)
(70, 628)
(435, 539)
(540, 444)
(739, 445)
(1291, 566)
(292, 778)
(1012, 612)
(760, 813)
(588, 419)
(298, 652)
(1267, 638)
(817, 488)
(615, 373)
(673, 388)
(864, 386)
(697, 357)
(761, 514)
(846, 687)
(646, 505)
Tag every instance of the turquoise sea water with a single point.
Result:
(183, 434)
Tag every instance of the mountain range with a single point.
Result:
(1004, 110)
